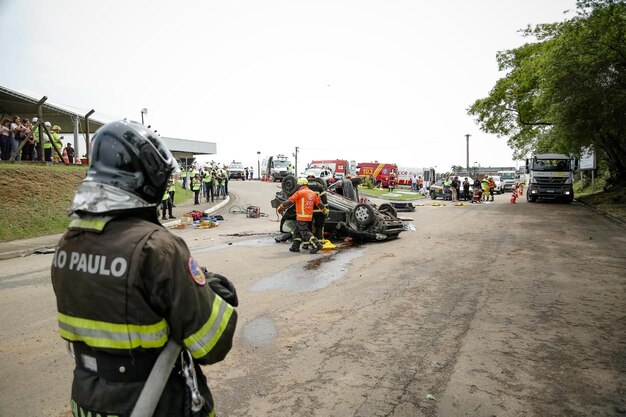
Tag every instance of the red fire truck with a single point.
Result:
(380, 172)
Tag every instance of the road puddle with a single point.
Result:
(259, 332)
(256, 242)
(311, 274)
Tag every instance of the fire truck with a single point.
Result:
(379, 172)
(339, 167)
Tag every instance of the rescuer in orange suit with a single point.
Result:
(305, 201)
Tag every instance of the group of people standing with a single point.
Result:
(417, 184)
(19, 139)
(17, 132)
(482, 190)
(210, 182)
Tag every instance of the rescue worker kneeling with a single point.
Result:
(305, 201)
(127, 289)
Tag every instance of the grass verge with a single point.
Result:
(35, 198)
(612, 202)
(399, 194)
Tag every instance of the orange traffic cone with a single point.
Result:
(514, 196)
(65, 158)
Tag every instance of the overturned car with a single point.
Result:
(349, 215)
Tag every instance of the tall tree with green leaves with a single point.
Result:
(566, 90)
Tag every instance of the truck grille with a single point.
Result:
(551, 180)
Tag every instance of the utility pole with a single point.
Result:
(296, 155)
(467, 152)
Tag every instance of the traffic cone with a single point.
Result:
(514, 196)
(521, 189)
(65, 158)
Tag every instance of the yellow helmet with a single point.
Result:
(303, 181)
(56, 127)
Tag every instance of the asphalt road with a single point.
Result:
(490, 310)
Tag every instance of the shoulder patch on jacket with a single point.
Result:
(196, 272)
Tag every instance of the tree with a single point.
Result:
(566, 90)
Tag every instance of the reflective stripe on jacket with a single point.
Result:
(125, 286)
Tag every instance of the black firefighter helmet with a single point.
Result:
(129, 156)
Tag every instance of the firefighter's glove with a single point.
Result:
(222, 287)
(326, 211)
(280, 209)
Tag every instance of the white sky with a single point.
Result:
(360, 80)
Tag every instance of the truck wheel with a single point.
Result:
(289, 185)
(363, 214)
(388, 209)
(433, 195)
(348, 190)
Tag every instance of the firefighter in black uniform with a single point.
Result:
(126, 287)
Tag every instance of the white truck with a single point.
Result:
(508, 180)
(550, 176)
(278, 167)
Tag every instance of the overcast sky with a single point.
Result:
(361, 80)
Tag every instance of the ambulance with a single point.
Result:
(406, 174)
(339, 167)
(380, 172)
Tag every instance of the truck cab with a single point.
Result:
(278, 167)
(551, 176)
(508, 180)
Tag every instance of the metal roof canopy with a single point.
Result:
(185, 148)
(13, 103)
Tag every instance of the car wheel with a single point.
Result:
(348, 190)
(363, 214)
(388, 209)
(289, 185)
(433, 195)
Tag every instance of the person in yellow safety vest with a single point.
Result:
(129, 292)
(172, 189)
(57, 142)
(447, 185)
(195, 187)
(166, 202)
(219, 183)
(485, 187)
(47, 142)
(192, 175)
(207, 184)
(225, 174)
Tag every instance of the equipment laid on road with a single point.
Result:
(253, 212)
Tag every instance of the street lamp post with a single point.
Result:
(143, 111)
(467, 152)
(258, 157)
